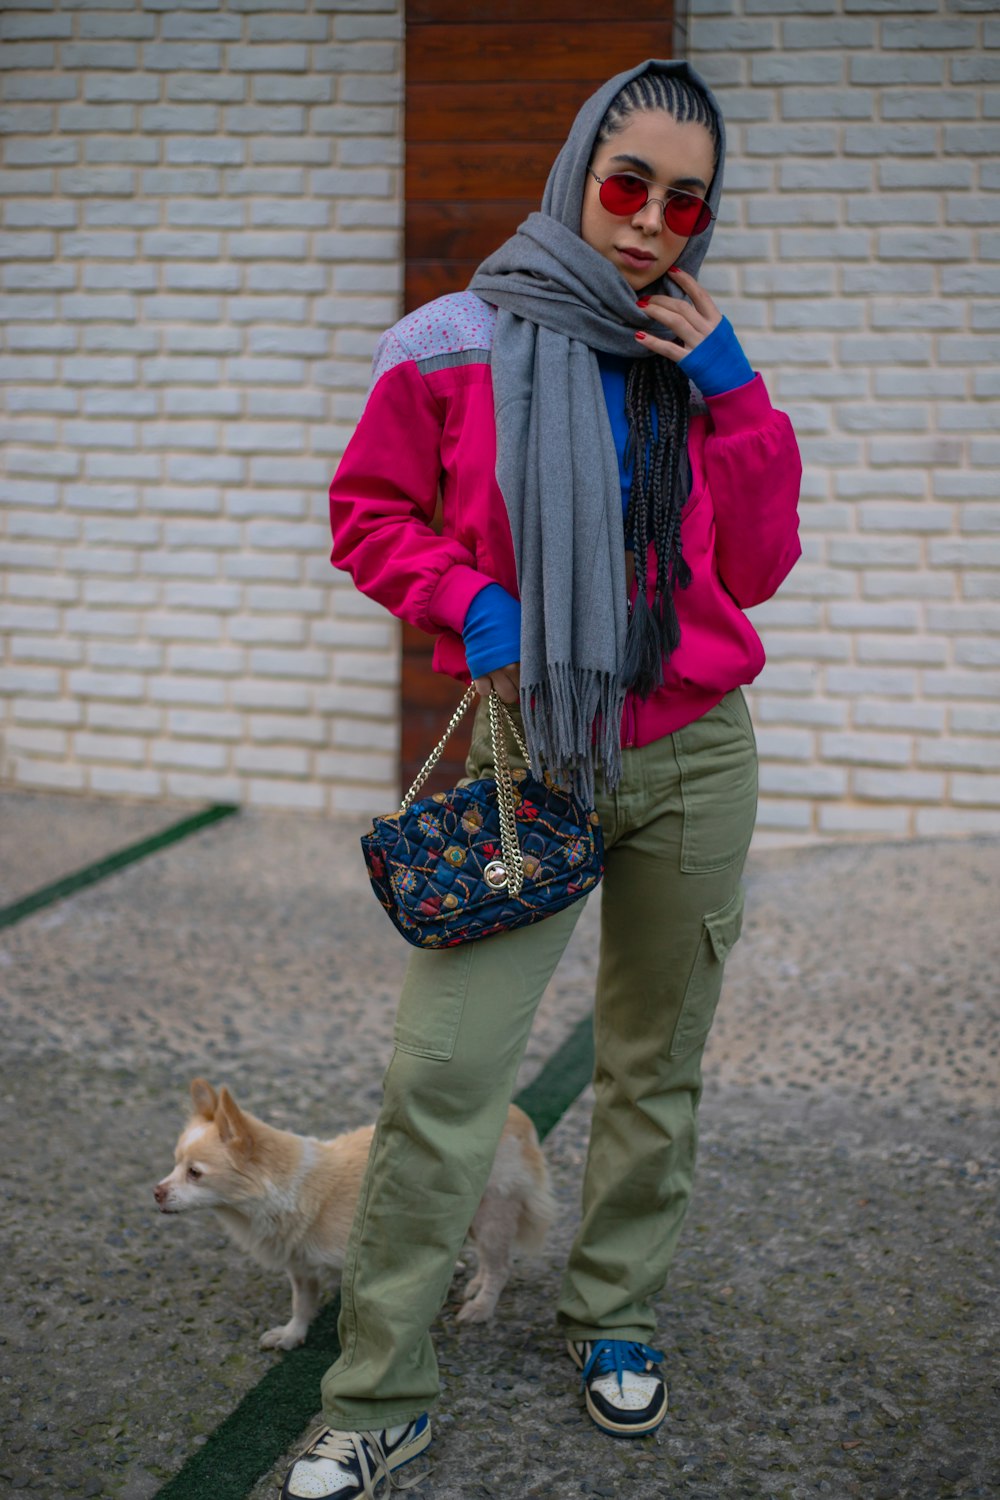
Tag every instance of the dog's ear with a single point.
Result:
(203, 1098)
(234, 1128)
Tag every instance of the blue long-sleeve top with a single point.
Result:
(492, 629)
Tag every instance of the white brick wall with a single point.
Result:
(200, 244)
(858, 255)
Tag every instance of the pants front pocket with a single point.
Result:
(433, 1000)
(719, 934)
(717, 761)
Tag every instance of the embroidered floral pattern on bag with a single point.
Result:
(427, 868)
(576, 853)
(428, 823)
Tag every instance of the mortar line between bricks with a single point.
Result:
(276, 1410)
(47, 895)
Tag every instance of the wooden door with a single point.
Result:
(491, 90)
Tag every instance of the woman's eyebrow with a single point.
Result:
(647, 171)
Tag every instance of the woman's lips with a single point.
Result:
(638, 259)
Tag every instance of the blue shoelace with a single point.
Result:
(615, 1356)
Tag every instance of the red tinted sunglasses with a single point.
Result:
(624, 194)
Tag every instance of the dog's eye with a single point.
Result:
(195, 1172)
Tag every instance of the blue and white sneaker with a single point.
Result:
(348, 1464)
(625, 1396)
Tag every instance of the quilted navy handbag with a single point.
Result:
(482, 858)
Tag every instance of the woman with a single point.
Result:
(617, 489)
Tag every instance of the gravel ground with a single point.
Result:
(831, 1323)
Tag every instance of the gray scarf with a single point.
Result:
(559, 302)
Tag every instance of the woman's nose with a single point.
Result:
(650, 216)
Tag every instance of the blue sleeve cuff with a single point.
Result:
(492, 631)
(718, 364)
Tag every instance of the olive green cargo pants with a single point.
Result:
(676, 836)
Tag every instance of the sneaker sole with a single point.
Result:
(625, 1429)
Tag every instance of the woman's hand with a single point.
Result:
(691, 322)
(506, 680)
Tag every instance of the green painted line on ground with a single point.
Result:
(266, 1423)
(563, 1078)
(60, 889)
(275, 1411)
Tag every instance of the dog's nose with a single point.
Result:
(160, 1193)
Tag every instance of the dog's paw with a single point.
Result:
(288, 1336)
(479, 1310)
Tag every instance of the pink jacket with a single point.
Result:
(428, 429)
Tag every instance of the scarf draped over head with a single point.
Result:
(559, 303)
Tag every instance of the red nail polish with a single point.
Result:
(674, 268)
(640, 335)
(642, 302)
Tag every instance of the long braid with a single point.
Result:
(655, 503)
(658, 452)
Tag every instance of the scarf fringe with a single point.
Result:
(563, 713)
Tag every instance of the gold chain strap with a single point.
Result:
(438, 750)
(512, 872)
(513, 866)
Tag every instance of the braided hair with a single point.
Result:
(661, 475)
(674, 95)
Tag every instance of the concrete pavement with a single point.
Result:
(831, 1324)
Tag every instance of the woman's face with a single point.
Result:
(656, 146)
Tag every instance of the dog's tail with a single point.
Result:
(538, 1212)
(538, 1205)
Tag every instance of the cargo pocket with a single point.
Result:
(719, 934)
(433, 1001)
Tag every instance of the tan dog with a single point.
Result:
(288, 1200)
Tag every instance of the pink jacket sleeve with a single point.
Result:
(754, 472)
(382, 502)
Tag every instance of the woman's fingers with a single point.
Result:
(702, 301)
(691, 322)
(681, 318)
(506, 681)
(676, 352)
(675, 322)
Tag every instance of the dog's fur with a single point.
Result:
(288, 1200)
